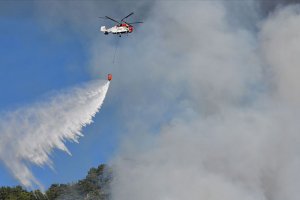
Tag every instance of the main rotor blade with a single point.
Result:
(134, 22)
(112, 19)
(127, 16)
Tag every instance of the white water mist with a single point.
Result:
(29, 134)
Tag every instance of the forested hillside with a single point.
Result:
(95, 186)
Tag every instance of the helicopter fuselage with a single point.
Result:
(118, 29)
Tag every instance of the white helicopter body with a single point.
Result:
(121, 27)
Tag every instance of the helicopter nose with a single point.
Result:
(130, 29)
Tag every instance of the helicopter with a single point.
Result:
(122, 26)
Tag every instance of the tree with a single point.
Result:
(95, 186)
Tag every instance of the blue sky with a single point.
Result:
(33, 63)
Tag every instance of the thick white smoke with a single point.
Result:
(232, 98)
(29, 134)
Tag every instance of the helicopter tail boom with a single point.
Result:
(103, 29)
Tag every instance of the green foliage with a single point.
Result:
(15, 193)
(94, 187)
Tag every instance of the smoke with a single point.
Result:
(279, 36)
(29, 134)
(216, 115)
